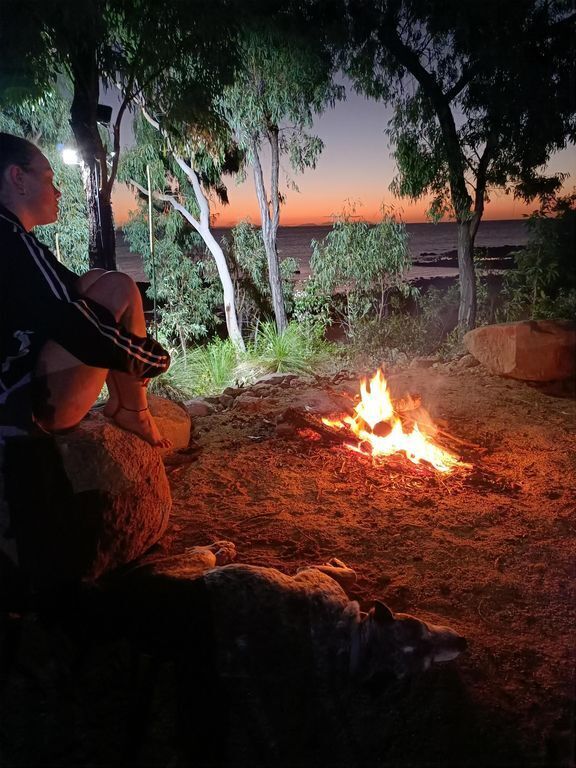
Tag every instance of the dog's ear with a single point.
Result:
(381, 613)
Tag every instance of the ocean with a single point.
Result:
(425, 241)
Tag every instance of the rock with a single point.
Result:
(226, 400)
(250, 403)
(172, 419)
(285, 429)
(199, 407)
(277, 378)
(423, 362)
(543, 350)
(233, 391)
(85, 502)
(466, 361)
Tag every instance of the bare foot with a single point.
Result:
(141, 423)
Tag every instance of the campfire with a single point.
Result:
(383, 427)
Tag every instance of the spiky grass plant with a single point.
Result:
(178, 382)
(290, 350)
(213, 366)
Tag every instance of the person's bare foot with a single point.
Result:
(140, 423)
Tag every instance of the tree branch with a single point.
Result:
(168, 199)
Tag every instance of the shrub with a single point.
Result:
(188, 295)
(365, 264)
(544, 282)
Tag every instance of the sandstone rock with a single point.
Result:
(87, 501)
(543, 350)
(199, 407)
(226, 400)
(277, 378)
(172, 419)
(423, 362)
(466, 361)
(251, 403)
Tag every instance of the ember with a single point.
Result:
(380, 426)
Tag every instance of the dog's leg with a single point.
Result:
(337, 570)
(219, 553)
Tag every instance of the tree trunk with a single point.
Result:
(467, 309)
(203, 229)
(101, 234)
(270, 229)
(227, 288)
(84, 123)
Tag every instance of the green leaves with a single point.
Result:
(363, 263)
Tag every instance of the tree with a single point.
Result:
(185, 185)
(482, 95)
(281, 80)
(124, 42)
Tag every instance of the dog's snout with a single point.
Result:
(447, 644)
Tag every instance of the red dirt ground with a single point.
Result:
(488, 551)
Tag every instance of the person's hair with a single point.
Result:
(15, 151)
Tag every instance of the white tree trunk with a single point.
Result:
(269, 230)
(203, 229)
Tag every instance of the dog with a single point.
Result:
(273, 657)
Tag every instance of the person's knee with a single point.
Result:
(116, 291)
(87, 280)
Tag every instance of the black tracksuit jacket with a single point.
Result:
(38, 301)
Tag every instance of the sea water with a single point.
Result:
(425, 240)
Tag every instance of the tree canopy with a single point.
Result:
(281, 81)
(483, 94)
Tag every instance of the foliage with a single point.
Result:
(170, 54)
(285, 75)
(425, 324)
(44, 121)
(187, 296)
(209, 368)
(213, 366)
(543, 285)
(366, 263)
(247, 262)
(477, 105)
(289, 350)
(282, 81)
(312, 308)
(179, 382)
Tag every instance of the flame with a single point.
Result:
(376, 411)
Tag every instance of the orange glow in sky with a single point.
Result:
(354, 169)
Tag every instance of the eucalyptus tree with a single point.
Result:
(483, 95)
(282, 79)
(184, 172)
(132, 43)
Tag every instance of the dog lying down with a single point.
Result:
(265, 623)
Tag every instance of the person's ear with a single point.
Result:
(16, 179)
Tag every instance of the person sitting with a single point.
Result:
(63, 335)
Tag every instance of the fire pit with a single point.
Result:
(383, 427)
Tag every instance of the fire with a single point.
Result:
(381, 433)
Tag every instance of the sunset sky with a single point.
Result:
(355, 166)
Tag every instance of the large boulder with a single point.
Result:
(172, 419)
(542, 350)
(85, 502)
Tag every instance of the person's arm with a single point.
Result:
(83, 327)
